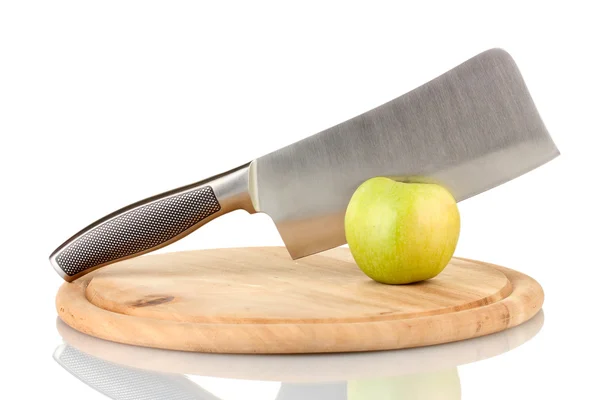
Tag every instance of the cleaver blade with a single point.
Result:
(470, 129)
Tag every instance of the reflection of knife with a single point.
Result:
(124, 383)
(471, 129)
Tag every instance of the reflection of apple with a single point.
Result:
(441, 385)
(399, 232)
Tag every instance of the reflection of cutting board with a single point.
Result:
(258, 300)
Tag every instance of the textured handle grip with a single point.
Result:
(150, 224)
(138, 230)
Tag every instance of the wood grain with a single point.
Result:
(258, 300)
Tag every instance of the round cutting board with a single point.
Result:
(258, 300)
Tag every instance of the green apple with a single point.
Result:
(400, 233)
(438, 385)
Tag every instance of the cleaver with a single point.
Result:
(470, 129)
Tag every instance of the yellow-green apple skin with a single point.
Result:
(437, 385)
(401, 233)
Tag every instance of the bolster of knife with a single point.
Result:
(152, 223)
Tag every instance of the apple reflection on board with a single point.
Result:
(122, 371)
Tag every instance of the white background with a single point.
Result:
(105, 103)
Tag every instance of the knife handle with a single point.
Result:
(152, 223)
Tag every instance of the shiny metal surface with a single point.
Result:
(470, 129)
(152, 223)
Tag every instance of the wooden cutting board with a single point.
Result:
(258, 300)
